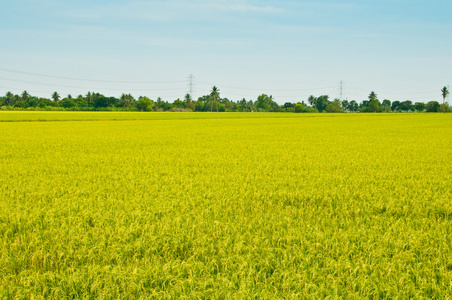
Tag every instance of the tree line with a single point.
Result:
(214, 103)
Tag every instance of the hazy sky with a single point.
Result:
(401, 49)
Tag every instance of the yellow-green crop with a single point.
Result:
(226, 206)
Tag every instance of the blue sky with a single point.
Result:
(290, 49)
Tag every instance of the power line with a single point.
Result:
(341, 87)
(283, 90)
(33, 91)
(19, 90)
(384, 92)
(190, 84)
(84, 79)
(95, 88)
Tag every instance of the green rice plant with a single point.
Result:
(225, 206)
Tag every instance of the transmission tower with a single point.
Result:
(341, 89)
(191, 84)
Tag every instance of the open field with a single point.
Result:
(225, 205)
(25, 116)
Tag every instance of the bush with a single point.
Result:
(433, 106)
(334, 107)
(179, 110)
(299, 108)
(67, 103)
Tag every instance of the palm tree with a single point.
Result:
(312, 100)
(214, 97)
(25, 96)
(444, 92)
(189, 102)
(55, 97)
(372, 96)
(9, 98)
(126, 100)
(89, 98)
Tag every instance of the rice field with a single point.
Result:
(225, 206)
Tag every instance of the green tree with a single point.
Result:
(372, 96)
(353, 106)
(345, 104)
(67, 103)
(89, 98)
(334, 107)
(246, 105)
(433, 106)
(395, 106)
(214, 97)
(25, 97)
(9, 99)
(127, 100)
(288, 106)
(33, 101)
(178, 103)
(81, 101)
(43, 102)
(322, 102)
(163, 105)
(199, 105)
(387, 105)
(419, 106)
(263, 103)
(274, 106)
(406, 105)
(189, 102)
(55, 97)
(101, 102)
(249, 106)
(373, 106)
(312, 101)
(145, 104)
(299, 108)
(158, 105)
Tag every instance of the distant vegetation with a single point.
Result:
(214, 103)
